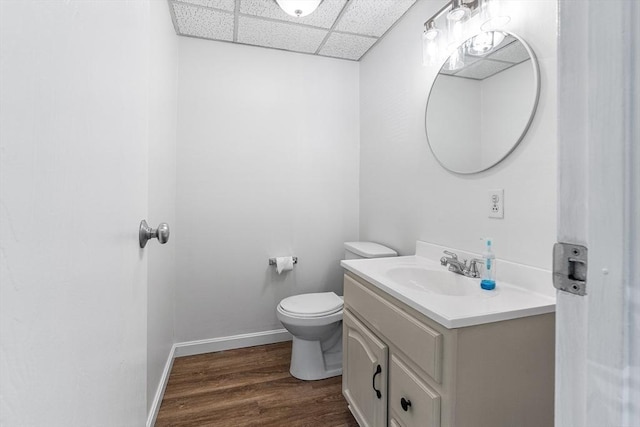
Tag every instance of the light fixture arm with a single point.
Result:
(472, 5)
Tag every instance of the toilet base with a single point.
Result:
(309, 362)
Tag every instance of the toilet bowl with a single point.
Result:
(315, 322)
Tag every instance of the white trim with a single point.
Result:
(191, 348)
(598, 87)
(162, 385)
(573, 159)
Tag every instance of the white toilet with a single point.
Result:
(315, 321)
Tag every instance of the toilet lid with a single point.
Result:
(317, 304)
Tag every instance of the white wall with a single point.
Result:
(405, 195)
(73, 186)
(268, 145)
(507, 98)
(163, 116)
(456, 97)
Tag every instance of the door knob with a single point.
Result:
(161, 233)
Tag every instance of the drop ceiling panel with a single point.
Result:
(347, 46)
(228, 5)
(344, 29)
(372, 17)
(483, 69)
(514, 52)
(323, 17)
(203, 22)
(279, 35)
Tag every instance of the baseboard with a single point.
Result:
(162, 385)
(191, 348)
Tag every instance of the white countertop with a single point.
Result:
(507, 301)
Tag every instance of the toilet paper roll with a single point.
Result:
(284, 263)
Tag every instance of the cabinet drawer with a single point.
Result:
(421, 344)
(421, 402)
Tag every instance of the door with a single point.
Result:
(364, 373)
(73, 189)
(597, 344)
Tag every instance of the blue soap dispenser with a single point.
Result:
(488, 281)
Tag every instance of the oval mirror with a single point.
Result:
(482, 102)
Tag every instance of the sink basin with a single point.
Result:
(440, 282)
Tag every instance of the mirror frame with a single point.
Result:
(534, 108)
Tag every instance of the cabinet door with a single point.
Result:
(364, 373)
(412, 402)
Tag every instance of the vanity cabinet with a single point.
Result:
(494, 374)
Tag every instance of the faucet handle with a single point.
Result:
(451, 254)
(473, 267)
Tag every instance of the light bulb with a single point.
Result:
(430, 44)
(455, 31)
(298, 8)
(430, 50)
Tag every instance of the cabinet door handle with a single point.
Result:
(373, 381)
(405, 403)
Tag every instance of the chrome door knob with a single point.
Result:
(146, 233)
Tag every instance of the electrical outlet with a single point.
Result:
(496, 203)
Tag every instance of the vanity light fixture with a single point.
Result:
(458, 13)
(485, 42)
(299, 8)
(431, 39)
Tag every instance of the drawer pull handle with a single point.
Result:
(405, 403)
(373, 381)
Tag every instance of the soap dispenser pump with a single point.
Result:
(488, 281)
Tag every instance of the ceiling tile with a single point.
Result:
(514, 52)
(483, 69)
(324, 16)
(372, 17)
(216, 4)
(201, 22)
(347, 46)
(279, 35)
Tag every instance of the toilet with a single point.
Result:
(315, 321)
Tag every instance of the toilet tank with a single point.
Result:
(357, 250)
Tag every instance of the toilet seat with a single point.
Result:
(312, 305)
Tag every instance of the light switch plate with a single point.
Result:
(496, 203)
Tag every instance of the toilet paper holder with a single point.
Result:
(272, 261)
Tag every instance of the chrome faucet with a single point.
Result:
(461, 267)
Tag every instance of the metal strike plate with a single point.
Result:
(570, 268)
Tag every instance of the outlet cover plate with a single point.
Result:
(496, 203)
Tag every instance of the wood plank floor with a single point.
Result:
(249, 387)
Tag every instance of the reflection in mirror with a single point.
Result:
(482, 102)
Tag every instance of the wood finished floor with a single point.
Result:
(249, 387)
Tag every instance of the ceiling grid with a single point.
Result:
(344, 29)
